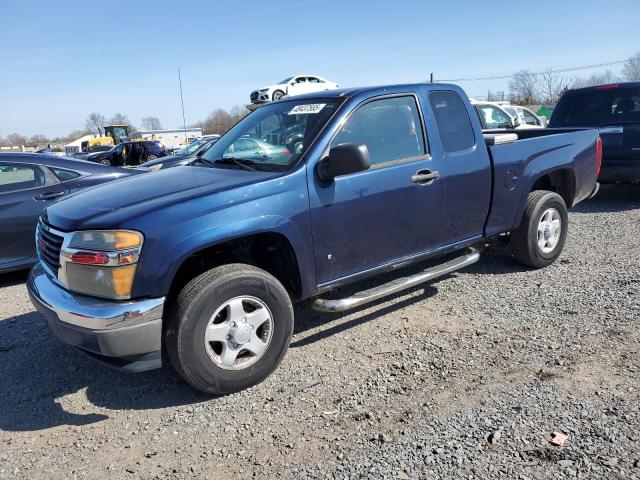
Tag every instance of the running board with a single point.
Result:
(397, 285)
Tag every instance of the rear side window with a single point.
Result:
(64, 175)
(452, 120)
(390, 128)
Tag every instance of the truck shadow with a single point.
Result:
(611, 198)
(13, 278)
(43, 380)
(329, 323)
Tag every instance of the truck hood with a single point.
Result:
(113, 204)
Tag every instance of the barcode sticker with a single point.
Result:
(306, 109)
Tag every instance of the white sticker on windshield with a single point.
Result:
(305, 109)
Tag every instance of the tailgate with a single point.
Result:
(621, 141)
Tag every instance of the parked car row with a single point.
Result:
(495, 116)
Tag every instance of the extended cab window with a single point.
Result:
(390, 128)
(452, 119)
(18, 176)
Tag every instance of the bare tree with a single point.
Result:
(600, 78)
(95, 123)
(631, 68)
(72, 136)
(551, 86)
(523, 88)
(38, 139)
(238, 113)
(15, 139)
(151, 123)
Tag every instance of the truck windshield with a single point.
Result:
(605, 105)
(273, 137)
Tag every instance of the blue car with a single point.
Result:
(28, 184)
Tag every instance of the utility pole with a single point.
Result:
(432, 78)
(184, 121)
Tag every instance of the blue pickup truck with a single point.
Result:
(303, 195)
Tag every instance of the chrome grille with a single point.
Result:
(48, 247)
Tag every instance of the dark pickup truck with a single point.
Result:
(613, 109)
(205, 261)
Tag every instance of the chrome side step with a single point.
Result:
(397, 285)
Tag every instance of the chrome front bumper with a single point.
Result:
(125, 335)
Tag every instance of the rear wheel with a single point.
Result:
(541, 235)
(229, 329)
(105, 161)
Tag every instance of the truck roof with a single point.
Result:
(374, 90)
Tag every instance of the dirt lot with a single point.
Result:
(465, 378)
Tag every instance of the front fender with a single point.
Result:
(159, 280)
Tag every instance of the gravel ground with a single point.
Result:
(467, 377)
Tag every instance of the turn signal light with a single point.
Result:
(90, 258)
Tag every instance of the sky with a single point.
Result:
(60, 61)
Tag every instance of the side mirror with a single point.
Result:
(343, 159)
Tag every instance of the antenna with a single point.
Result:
(184, 122)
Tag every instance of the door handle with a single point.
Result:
(48, 196)
(425, 177)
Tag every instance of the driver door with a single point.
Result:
(367, 219)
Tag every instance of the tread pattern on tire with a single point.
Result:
(520, 245)
(187, 298)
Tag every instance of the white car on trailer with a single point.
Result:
(296, 85)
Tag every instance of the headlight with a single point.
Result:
(101, 262)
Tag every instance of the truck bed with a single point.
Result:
(521, 157)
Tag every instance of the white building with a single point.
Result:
(172, 138)
(76, 145)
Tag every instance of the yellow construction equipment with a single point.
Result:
(113, 135)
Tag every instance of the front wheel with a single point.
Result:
(277, 95)
(151, 157)
(229, 328)
(541, 235)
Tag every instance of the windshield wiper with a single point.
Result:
(246, 164)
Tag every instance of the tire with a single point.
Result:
(151, 157)
(541, 235)
(205, 365)
(277, 95)
(105, 161)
